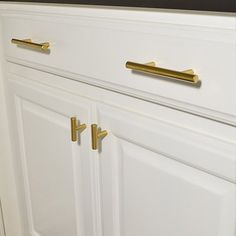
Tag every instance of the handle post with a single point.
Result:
(97, 135)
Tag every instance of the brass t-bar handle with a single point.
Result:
(97, 135)
(28, 43)
(76, 129)
(150, 68)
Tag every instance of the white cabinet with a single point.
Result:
(146, 192)
(137, 183)
(55, 171)
(159, 171)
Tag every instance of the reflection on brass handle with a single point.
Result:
(149, 68)
(97, 135)
(75, 129)
(28, 43)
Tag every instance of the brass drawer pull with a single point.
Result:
(28, 43)
(150, 68)
(76, 129)
(97, 135)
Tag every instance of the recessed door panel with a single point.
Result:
(49, 161)
(55, 172)
(146, 191)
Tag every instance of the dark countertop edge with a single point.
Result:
(197, 5)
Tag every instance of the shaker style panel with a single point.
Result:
(96, 51)
(202, 151)
(147, 188)
(98, 148)
(54, 172)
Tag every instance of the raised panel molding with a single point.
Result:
(168, 164)
(34, 173)
(55, 183)
(181, 196)
(129, 132)
(197, 35)
(202, 151)
(192, 122)
(146, 191)
(36, 209)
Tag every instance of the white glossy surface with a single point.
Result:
(55, 172)
(96, 49)
(160, 171)
(140, 153)
(146, 192)
(8, 191)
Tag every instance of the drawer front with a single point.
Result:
(96, 50)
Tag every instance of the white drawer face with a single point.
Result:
(96, 51)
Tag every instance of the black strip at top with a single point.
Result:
(200, 5)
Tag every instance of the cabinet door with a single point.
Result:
(145, 191)
(54, 172)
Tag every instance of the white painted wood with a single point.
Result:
(193, 148)
(176, 46)
(217, 150)
(149, 136)
(130, 131)
(8, 188)
(2, 226)
(54, 172)
(199, 124)
(146, 192)
(158, 170)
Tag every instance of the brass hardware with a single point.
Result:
(76, 128)
(97, 135)
(28, 43)
(149, 68)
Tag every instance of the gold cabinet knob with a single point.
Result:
(97, 135)
(76, 129)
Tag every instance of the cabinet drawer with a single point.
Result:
(95, 50)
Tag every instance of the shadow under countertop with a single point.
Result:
(198, 5)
